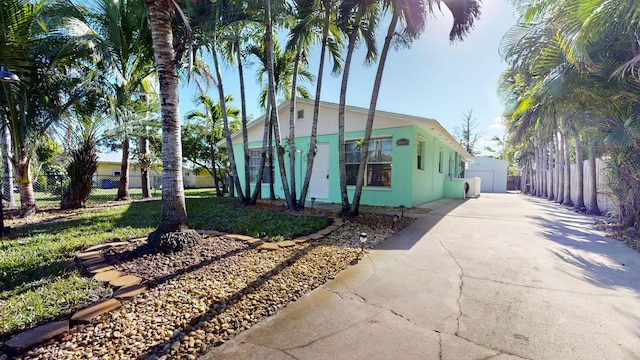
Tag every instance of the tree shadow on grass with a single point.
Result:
(55, 257)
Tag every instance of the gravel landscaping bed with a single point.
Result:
(201, 297)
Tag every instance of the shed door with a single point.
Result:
(486, 185)
(319, 185)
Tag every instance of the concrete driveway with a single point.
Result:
(501, 277)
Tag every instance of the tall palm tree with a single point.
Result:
(211, 120)
(218, 29)
(47, 88)
(147, 130)
(413, 13)
(241, 33)
(362, 25)
(119, 34)
(325, 20)
(285, 67)
(173, 232)
(300, 38)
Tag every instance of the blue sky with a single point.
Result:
(434, 78)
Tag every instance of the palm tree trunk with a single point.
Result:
(245, 133)
(172, 232)
(593, 181)
(265, 138)
(567, 170)
(552, 170)
(538, 162)
(25, 186)
(272, 190)
(292, 128)
(291, 203)
(311, 154)
(123, 186)
(355, 205)
(579, 205)
(545, 168)
(214, 173)
(529, 177)
(353, 36)
(274, 108)
(7, 168)
(143, 145)
(227, 131)
(560, 170)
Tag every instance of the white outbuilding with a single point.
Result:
(492, 172)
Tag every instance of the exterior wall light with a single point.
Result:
(396, 217)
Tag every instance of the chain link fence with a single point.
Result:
(48, 189)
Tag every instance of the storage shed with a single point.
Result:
(492, 172)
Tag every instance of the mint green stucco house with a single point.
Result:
(412, 160)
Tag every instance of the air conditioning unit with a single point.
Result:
(472, 187)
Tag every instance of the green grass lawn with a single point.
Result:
(38, 276)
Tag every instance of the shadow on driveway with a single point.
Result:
(603, 261)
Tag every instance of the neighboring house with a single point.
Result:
(107, 175)
(194, 176)
(492, 173)
(412, 160)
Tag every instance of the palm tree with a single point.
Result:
(47, 88)
(218, 28)
(84, 163)
(564, 137)
(173, 232)
(589, 53)
(120, 36)
(211, 120)
(361, 25)
(324, 19)
(413, 13)
(147, 130)
(283, 74)
(240, 33)
(300, 39)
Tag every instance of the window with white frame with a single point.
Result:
(379, 160)
(254, 167)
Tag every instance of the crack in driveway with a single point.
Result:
(460, 287)
(370, 318)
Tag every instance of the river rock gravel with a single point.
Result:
(201, 297)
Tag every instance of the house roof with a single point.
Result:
(430, 125)
(116, 158)
(111, 158)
